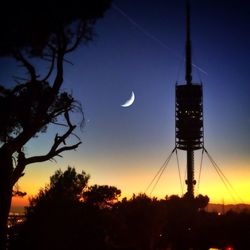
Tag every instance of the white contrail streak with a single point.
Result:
(154, 38)
(139, 27)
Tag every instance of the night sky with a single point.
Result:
(139, 46)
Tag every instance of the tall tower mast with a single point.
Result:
(190, 153)
(188, 46)
(189, 113)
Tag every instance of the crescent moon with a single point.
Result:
(130, 101)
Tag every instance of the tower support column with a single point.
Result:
(190, 174)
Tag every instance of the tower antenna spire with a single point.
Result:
(188, 46)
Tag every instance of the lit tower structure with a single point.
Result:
(189, 114)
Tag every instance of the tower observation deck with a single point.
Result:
(189, 113)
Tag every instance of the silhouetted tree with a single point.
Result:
(54, 218)
(136, 223)
(99, 204)
(142, 223)
(63, 216)
(201, 201)
(101, 196)
(49, 30)
(182, 221)
(67, 214)
(65, 188)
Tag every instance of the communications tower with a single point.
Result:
(189, 113)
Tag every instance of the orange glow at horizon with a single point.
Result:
(134, 180)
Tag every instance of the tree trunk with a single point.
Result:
(6, 170)
(5, 200)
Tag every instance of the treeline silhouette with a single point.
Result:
(69, 214)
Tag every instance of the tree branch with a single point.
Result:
(59, 76)
(26, 134)
(18, 171)
(58, 140)
(80, 30)
(18, 55)
(22, 138)
(52, 64)
(61, 139)
(50, 155)
(55, 150)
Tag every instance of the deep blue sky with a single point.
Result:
(144, 54)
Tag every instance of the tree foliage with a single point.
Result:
(62, 211)
(101, 196)
(65, 188)
(35, 25)
(23, 108)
